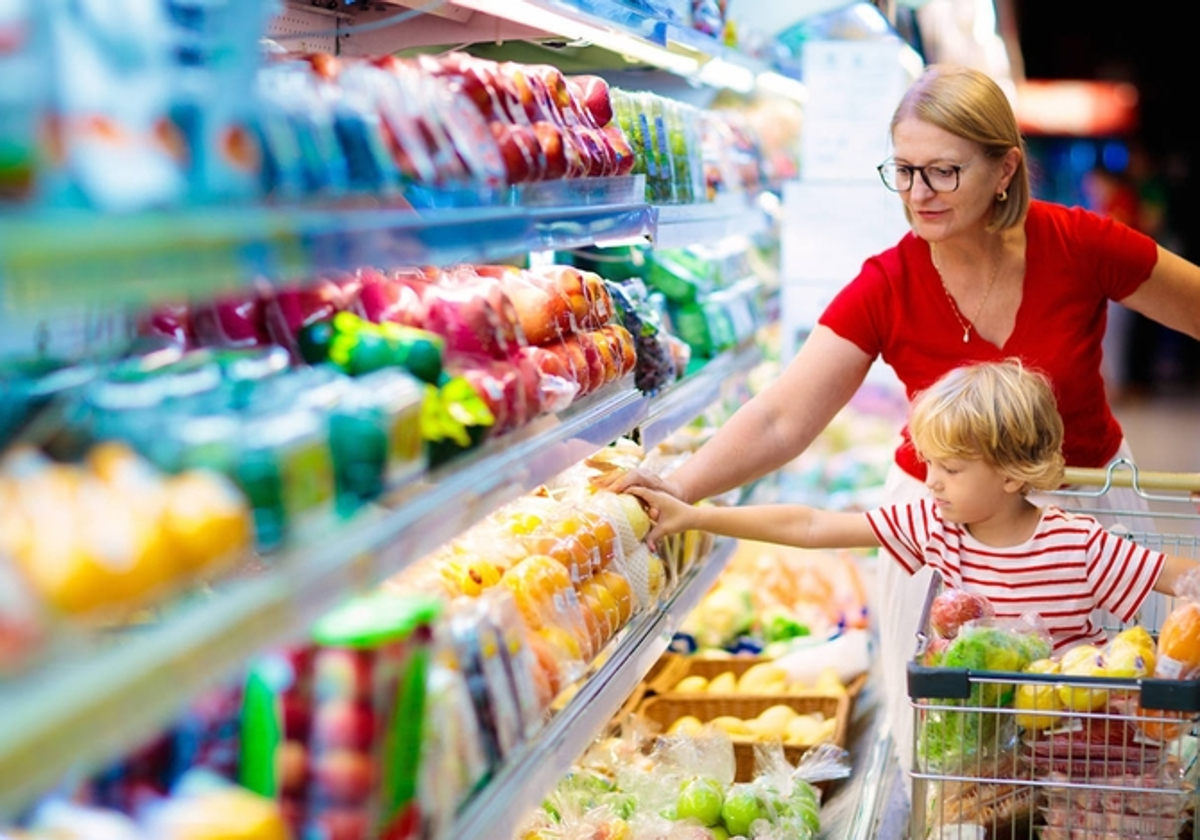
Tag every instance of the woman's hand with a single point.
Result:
(622, 481)
(669, 514)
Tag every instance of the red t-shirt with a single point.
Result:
(1075, 262)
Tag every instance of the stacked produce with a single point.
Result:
(574, 565)
(683, 788)
(429, 131)
(711, 296)
(90, 543)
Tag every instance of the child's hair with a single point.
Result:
(1000, 412)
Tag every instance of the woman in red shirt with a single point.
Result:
(986, 273)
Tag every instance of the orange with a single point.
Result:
(205, 519)
(605, 602)
(621, 591)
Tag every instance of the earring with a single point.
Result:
(1002, 196)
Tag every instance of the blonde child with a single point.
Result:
(989, 434)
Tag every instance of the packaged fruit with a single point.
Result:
(368, 677)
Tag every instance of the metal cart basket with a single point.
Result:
(1007, 753)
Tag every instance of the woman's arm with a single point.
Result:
(795, 525)
(1171, 295)
(772, 428)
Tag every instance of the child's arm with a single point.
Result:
(1173, 569)
(795, 525)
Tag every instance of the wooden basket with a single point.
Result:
(673, 667)
(664, 710)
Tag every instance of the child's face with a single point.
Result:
(967, 491)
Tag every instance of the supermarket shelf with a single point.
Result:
(57, 258)
(730, 214)
(52, 260)
(102, 701)
(538, 765)
(687, 400)
(609, 24)
(105, 698)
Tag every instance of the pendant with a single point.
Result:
(966, 336)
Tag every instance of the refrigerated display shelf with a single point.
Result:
(103, 697)
(537, 765)
(56, 259)
(729, 214)
(616, 27)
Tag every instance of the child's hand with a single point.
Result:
(669, 514)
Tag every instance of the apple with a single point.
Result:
(384, 300)
(952, 608)
(550, 138)
(344, 723)
(741, 809)
(293, 308)
(344, 776)
(520, 162)
(594, 96)
(700, 799)
(232, 320)
(622, 151)
(343, 824)
(171, 321)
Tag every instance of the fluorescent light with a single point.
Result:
(536, 16)
(721, 73)
(771, 82)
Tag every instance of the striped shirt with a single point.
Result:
(1070, 567)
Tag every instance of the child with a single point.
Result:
(989, 433)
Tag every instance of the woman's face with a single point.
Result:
(938, 216)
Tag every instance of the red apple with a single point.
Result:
(386, 300)
(344, 824)
(520, 161)
(593, 96)
(344, 776)
(171, 321)
(234, 320)
(297, 716)
(952, 608)
(344, 723)
(550, 138)
(622, 151)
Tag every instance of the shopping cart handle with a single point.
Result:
(1141, 479)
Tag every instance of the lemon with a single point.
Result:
(1034, 697)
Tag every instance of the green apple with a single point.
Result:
(700, 799)
(742, 807)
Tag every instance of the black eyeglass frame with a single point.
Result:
(956, 167)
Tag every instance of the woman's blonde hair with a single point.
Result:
(1000, 412)
(970, 105)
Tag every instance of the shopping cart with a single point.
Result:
(1009, 754)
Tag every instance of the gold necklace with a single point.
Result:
(966, 325)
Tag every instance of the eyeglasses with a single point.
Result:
(939, 177)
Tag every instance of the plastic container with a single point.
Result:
(368, 699)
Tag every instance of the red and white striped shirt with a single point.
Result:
(1070, 567)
